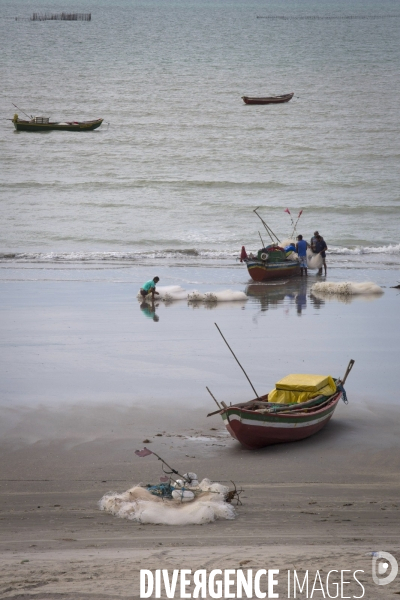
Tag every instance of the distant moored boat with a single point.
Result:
(268, 99)
(44, 124)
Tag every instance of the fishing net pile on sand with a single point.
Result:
(138, 504)
(346, 288)
(176, 292)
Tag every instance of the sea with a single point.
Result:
(173, 175)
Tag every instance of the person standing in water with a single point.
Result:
(314, 241)
(149, 288)
(320, 248)
(301, 249)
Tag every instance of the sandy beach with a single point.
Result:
(88, 379)
(178, 179)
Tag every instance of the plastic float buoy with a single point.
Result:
(183, 495)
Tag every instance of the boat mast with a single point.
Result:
(267, 228)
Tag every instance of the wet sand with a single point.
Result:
(87, 378)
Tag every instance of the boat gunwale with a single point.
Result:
(258, 416)
(266, 98)
(52, 123)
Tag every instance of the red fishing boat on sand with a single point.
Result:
(299, 406)
(257, 428)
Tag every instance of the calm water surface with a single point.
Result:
(180, 162)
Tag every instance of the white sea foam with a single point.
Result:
(175, 292)
(189, 254)
(347, 288)
(138, 504)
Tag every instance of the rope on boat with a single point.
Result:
(339, 386)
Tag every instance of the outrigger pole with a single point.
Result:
(267, 228)
(29, 117)
(248, 379)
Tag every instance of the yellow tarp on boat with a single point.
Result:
(300, 388)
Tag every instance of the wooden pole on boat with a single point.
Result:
(267, 227)
(349, 368)
(29, 117)
(234, 356)
(262, 241)
(214, 398)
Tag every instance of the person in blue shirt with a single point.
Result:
(301, 249)
(320, 248)
(149, 288)
(290, 248)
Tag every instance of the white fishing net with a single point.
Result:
(347, 288)
(314, 261)
(138, 504)
(176, 292)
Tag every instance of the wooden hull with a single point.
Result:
(268, 99)
(256, 430)
(75, 126)
(260, 271)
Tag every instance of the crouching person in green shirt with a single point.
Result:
(149, 288)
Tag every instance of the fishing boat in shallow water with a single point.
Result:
(272, 261)
(44, 124)
(260, 270)
(268, 99)
(263, 421)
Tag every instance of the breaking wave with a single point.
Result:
(172, 253)
(390, 249)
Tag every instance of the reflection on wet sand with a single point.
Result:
(148, 309)
(297, 292)
(294, 291)
(343, 298)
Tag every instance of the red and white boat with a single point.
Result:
(260, 422)
(258, 429)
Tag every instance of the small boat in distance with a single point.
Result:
(44, 124)
(268, 99)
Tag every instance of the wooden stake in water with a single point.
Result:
(234, 356)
